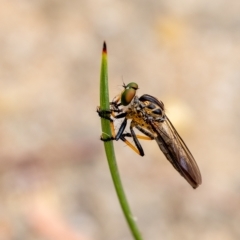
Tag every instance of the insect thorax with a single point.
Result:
(146, 111)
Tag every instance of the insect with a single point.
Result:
(147, 114)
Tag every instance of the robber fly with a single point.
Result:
(148, 116)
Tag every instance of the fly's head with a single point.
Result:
(129, 93)
(124, 98)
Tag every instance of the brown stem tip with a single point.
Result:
(104, 47)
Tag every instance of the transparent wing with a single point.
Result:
(176, 151)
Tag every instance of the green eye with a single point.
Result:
(131, 85)
(129, 93)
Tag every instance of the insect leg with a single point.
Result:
(109, 138)
(149, 135)
(138, 149)
(104, 114)
(120, 135)
(135, 149)
(121, 129)
(137, 143)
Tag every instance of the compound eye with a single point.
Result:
(127, 96)
(129, 93)
(132, 85)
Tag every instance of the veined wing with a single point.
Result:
(176, 151)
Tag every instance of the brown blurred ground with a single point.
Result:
(54, 179)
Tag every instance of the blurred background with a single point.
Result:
(54, 178)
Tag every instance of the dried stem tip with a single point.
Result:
(104, 47)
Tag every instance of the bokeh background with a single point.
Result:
(54, 178)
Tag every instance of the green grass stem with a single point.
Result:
(106, 129)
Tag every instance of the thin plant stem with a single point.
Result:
(108, 145)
